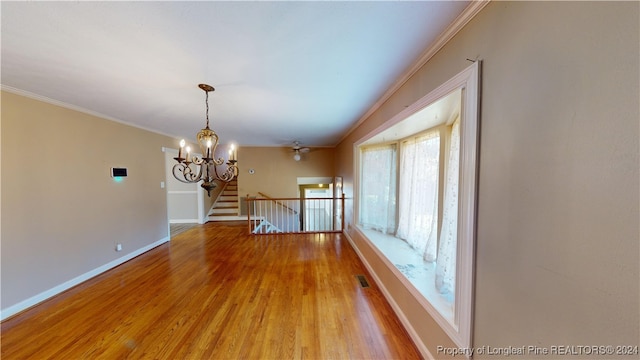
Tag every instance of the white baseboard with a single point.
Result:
(34, 300)
(396, 308)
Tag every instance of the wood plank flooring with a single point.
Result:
(175, 229)
(215, 292)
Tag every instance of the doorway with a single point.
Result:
(185, 202)
(316, 207)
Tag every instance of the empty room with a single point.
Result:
(320, 180)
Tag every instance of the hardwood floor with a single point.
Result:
(175, 229)
(215, 292)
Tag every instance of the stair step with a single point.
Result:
(229, 193)
(226, 204)
(226, 211)
(228, 198)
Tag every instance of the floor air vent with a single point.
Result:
(363, 281)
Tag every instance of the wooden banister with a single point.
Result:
(277, 202)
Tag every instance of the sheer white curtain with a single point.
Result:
(378, 188)
(418, 194)
(446, 264)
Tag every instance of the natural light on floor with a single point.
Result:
(420, 273)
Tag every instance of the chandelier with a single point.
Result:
(192, 169)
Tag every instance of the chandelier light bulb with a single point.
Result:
(188, 159)
(209, 154)
(180, 150)
(232, 152)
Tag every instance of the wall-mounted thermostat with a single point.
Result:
(118, 172)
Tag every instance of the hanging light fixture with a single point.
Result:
(192, 169)
(297, 150)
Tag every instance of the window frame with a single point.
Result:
(468, 81)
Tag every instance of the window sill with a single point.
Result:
(418, 275)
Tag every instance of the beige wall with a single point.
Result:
(276, 173)
(558, 192)
(62, 213)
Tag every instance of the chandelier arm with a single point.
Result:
(228, 174)
(198, 161)
(218, 161)
(233, 171)
(201, 165)
(188, 176)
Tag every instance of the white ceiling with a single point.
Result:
(282, 71)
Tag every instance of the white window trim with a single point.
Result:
(469, 81)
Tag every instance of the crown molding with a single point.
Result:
(76, 108)
(467, 14)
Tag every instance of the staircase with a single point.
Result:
(227, 207)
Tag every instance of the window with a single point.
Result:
(422, 200)
(416, 187)
(378, 193)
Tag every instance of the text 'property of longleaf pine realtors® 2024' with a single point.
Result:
(553, 350)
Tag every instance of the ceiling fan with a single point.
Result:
(297, 150)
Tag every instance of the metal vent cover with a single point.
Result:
(363, 281)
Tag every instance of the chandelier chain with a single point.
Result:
(206, 100)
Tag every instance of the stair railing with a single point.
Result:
(277, 202)
(268, 215)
